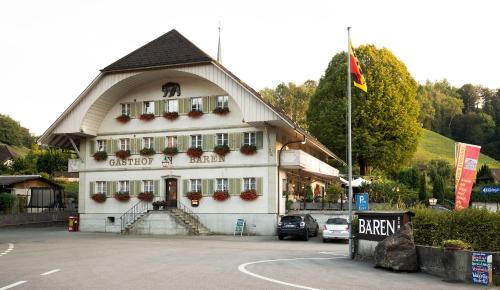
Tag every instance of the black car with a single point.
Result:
(304, 226)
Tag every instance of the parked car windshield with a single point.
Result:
(337, 221)
(291, 218)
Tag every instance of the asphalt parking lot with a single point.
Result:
(52, 258)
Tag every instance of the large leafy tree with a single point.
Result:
(12, 133)
(474, 128)
(384, 120)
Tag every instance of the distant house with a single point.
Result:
(496, 174)
(6, 155)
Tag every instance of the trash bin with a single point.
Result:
(73, 224)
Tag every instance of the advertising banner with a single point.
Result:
(466, 158)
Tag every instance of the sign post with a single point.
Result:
(482, 268)
(239, 227)
(362, 201)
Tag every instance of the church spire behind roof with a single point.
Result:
(219, 56)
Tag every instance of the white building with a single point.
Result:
(171, 75)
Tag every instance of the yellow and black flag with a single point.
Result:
(356, 72)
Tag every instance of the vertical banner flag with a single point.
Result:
(466, 157)
(356, 72)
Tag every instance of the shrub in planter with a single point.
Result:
(196, 195)
(98, 197)
(221, 111)
(158, 204)
(147, 151)
(122, 154)
(456, 245)
(146, 196)
(220, 195)
(195, 113)
(123, 118)
(248, 149)
(122, 196)
(100, 156)
(171, 115)
(222, 150)
(170, 151)
(147, 116)
(249, 195)
(194, 152)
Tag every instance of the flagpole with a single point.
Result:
(349, 142)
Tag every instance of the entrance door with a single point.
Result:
(171, 194)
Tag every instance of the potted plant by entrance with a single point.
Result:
(147, 116)
(171, 115)
(123, 118)
(194, 152)
(249, 195)
(122, 196)
(146, 196)
(100, 156)
(222, 150)
(220, 195)
(221, 111)
(195, 113)
(159, 203)
(170, 151)
(122, 154)
(194, 195)
(147, 152)
(248, 149)
(98, 197)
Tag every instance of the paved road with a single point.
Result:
(110, 261)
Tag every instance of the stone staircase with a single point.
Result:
(190, 221)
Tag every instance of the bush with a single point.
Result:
(333, 192)
(456, 245)
(409, 177)
(7, 200)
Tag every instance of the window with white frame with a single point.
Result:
(249, 183)
(222, 101)
(100, 187)
(171, 141)
(221, 184)
(222, 139)
(147, 142)
(195, 185)
(126, 109)
(101, 145)
(148, 186)
(149, 107)
(125, 144)
(249, 138)
(123, 186)
(196, 141)
(196, 104)
(172, 106)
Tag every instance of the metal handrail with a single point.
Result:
(194, 217)
(134, 213)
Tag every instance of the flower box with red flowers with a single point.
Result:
(147, 152)
(194, 195)
(221, 111)
(146, 196)
(222, 150)
(98, 197)
(249, 195)
(220, 195)
(123, 118)
(122, 196)
(122, 154)
(171, 115)
(248, 149)
(194, 152)
(195, 113)
(147, 116)
(170, 151)
(100, 156)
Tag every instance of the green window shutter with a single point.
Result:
(204, 104)
(204, 187)
(157, 108)
(137, 186)
(258, 186)
(156, 143)
(109, 188)
(157, 187)
(235, 140)
(160, 144)
(133, 112)
(185, 143)
(138, 145)
(161, 106)
(185, 187)
(210, 186)
(91, 147)
(204, 143)
(212, 102)
(92, 187)
(180, 140)
(108, 146)
(136, 109)
(183, 108)
(131, 187)
(259, 139)
(234, 186)
(211, 141)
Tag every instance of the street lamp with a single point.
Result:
(432, 201)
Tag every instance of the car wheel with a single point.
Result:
(306, 236)
(316, 231)
(325, 240)
(281, 237)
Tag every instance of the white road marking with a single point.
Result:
(242, 268)
(50, 272)
(334, 254)
(13, 285)
(11, 247)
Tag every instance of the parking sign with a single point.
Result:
(362, 201)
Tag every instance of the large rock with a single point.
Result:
(397, 251)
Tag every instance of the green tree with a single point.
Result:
(385, 127)
(52, 160)
(12, 133)
(474, 127)
(422, 188)
(472, 97)
(333, 192)
(484, 175)
(438, 188)
(441, 168)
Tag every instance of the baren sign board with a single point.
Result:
(378, 225)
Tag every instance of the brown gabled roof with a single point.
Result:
(169, 49)
(6, 153)
(6, 180)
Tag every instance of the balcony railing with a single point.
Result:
(298, 159)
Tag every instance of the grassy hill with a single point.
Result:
(435, 146)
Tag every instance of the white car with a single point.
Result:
(336, 228)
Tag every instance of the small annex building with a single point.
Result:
(168, 119)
